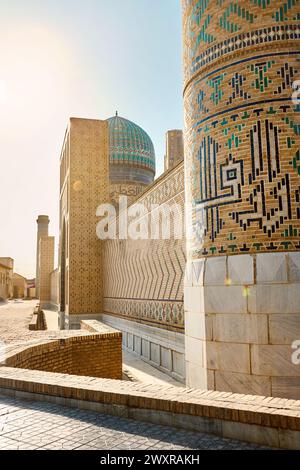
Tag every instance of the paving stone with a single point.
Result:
(88, 430)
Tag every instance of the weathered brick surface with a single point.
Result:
(84, 174)
(46, 266)
(38, 320)
(71, 352)
(91, 355)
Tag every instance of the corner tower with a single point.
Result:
(42, 231)
(242, 139)
(84, 185)
(174, 148)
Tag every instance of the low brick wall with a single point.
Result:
(84, 353)
(269, 421)
(38, 320)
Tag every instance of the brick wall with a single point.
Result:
(19, 286)
(84, 186)
(38, 320)
(174, 148)
(46, 265)
(54, 279)
(4, 282)
(6, 278)
(94, 355)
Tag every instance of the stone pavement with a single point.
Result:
(15, 317)
(28, 425)
(15, 335)
(14, 320)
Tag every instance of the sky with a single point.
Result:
(63, 58)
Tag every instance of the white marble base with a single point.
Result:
(161, 348)
(242, 314)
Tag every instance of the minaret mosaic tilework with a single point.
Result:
(242, 181)
(242, 128)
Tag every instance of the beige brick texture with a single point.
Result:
(84, 186)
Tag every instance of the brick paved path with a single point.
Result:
(28, 425)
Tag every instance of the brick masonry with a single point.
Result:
(38, 320)
(6, 278)
(174, 148)
(242, 128)
(42, 231)
(46, 266)
(84, 170)
(80, 353)
(54, 280)
(268, 421)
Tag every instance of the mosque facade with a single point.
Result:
(218, 308)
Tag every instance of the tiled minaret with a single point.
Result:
(242, 162)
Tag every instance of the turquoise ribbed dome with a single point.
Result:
(130, 145)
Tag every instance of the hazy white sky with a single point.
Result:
(62, 58)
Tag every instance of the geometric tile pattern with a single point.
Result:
(243, 134)
(84, 170)
(46, 266)
(152, 311)
(129, 144)
(144, 278)
(131, 158)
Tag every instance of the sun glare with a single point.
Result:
(34, 63)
